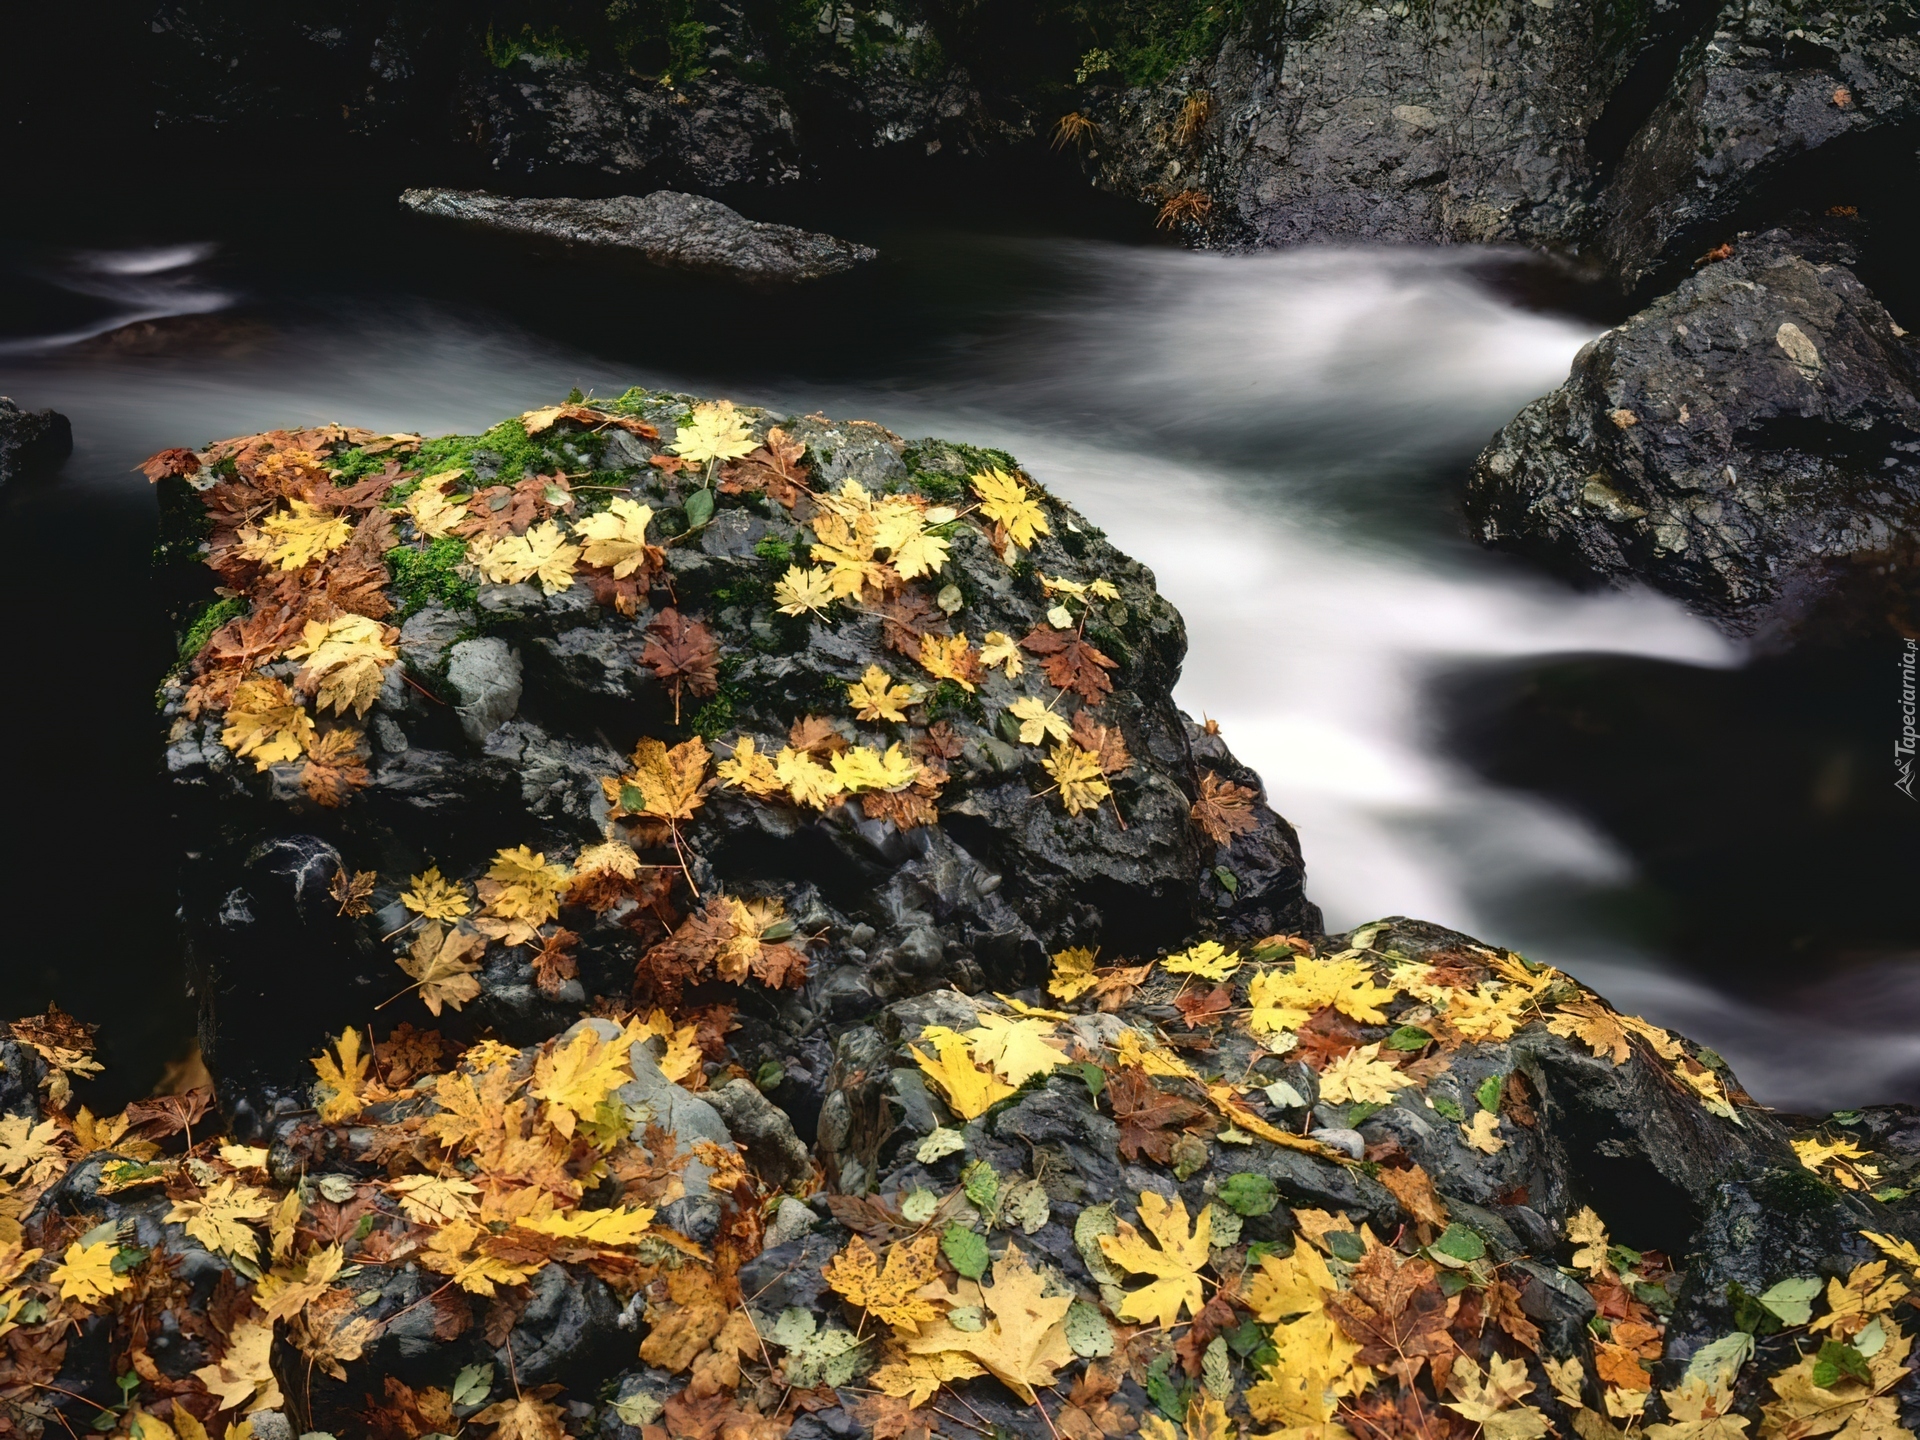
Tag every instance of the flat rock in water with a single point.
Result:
(31, 439)
(682, 232)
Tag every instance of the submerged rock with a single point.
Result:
(1749, 443)
(682, 232)
(31, 441)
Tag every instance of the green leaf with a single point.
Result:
(638, 1409)
(1228, 880)
(1246, 1338)
(1260, 1249)
(770, 1073)
(1088, 1333)
(1248, 1194)
(965, 1251)
(1283, 1096)
(473, 1384)
(632, 797)
(794, 1327)
(1408, 1037)
(981, 1184)
(919, 1206)
(1748, 1313)
(1095, 1221)
(1488, 1093)
(1722, 1359)
(940, 1143)
(1837, 1360)
(1365, 1110)
(1026, 1205)
(699, 508)
(1461, 1243)
(1216, 1371)
(1846, 1117)
(1226, 1226)
(970, 1318)
(127, 1257)
(779, 930)
(1792, 1300)
(1168, 1398)
(1442, 1105)
(828, 1357)
(1346, 1246)
(1093, 1075)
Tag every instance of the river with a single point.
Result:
(1280, 437)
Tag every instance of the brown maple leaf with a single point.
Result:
(1224, 809)
(780, 967)
(1327, 1036)
(408, 1414)
(334, 769)
(1114, 984)
(1205, 1009)
(555, 965)
(906, 620)
(938, 743)
(889, 1417)
(1147, 1114)
(169, 463)
(502, 510)
(775, 469)
(349, 889)
(1091, 1413)
(165, 1115)
(408, 1052)
(1516, 1100)
(685, 955)
(620, 593)
(1071, 662)
(1103, 741)
(1406, 1416)
(1215, 1317)
(905, 808)
(1397, 1314)
(1502, 1300)
(683, 653)
(816, 735)
(1413, 1188)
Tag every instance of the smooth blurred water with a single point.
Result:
(1280, 436)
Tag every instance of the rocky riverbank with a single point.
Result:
(710, 924)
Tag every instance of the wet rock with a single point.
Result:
(1749, 443)
(485, 674)
(1771, 103)
(31, 441)
(681, 232)
(763, 1128)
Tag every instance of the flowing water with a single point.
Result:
(1280, 436)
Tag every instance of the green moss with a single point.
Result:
(1796, 1192)
(1145, 41)
(714, 718)
(549, 44)
(355, 464)
(935, 486)
(211, 617)
(952, 701)
(776, 552)
(508, 442)
(428, 576)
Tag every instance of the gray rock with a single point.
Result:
(485, 674)
(682, 232)
(1749, 443)
(31, 441)
(791, 1221)
(760, 1126)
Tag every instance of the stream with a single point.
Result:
(1281, 437)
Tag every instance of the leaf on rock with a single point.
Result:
(434, 897)
(86, 1273)
(683, 653)
(1105, 741)
(345, 1077)
(1224, 809)
(1000, 650)
(804, 591)
(1174, 1263)
(875, 696)
(443, 963)
(951, 657)
(1072, 973)
(1209, 960)
(1396, 1312)
(970, 1090)
(1077, 773)
(1071, 662)
(1016, 1050)
(266, 724)
(1146, 1113)
(889, 1295)
(1010, 506)
(346, 661)
(218, 1218)
(295, 537)
(1361, 1077)
(1024, 1341)
(715, 431)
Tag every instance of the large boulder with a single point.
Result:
(31, 441)
(506, 720)
(1749, 443)
(1773, 104)
(682, 232)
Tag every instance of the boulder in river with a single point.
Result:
(681, 232)
(31, 440)
(1749, 443)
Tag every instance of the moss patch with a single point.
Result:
(430, 576)
(211, 617)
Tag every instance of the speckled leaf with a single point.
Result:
(1087, 1330)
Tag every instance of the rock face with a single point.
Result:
(478, 741)
(31, 440)
(1776, 102)
(683, 232)
(1749, 443)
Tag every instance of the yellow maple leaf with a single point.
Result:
(1286, 1286)
(1077, 772)
(616, 537)
(611, 857)
(346, 1078)
(265, 722)
(1902, 1250)
(285, 1292)
(915, 548)
(749, 769)
(450, 1251)
(864, 768)
(997, 648)
(1038, 722)
(1174, 1263)
(525, 886)
(1286, 999)
(576, 1077)
(808, 782)
(525, 1417)
(435, 897)
(914, 1378)
(846, 548)
(290, 538)
(542, 554)
(945, 657)
(1361, 1077)
(1482, 1133)
(1016, 1050)
(1701, 1410)
(1209, 960)
(1072, 973)
(1858, 1410)
(1869, 1291)
(1491, 1399)
(443, 963)
(1707, 1085)
(1010, 505)
(434, 1199)
(1587, 1231)
(714, 432)
(970, 1091)
(876, 697)
(1597, 1027)
(218, 1219)
(1023, 1342)
(1840, 1157)
(346, 659)
(243, 1375)
(1144, 1052)
(803, 591)
(1312, 1368)
(668, 782)
(29, 1150)
(889, 1295)
(434, 515)
(86, 1273)
(627, 1226)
